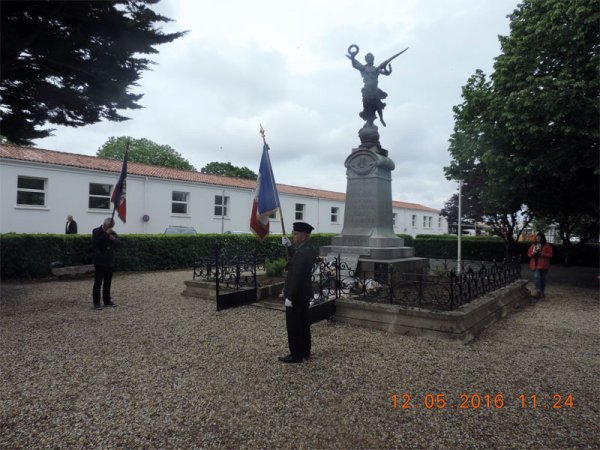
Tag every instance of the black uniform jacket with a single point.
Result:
(298, 285)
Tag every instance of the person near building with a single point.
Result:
(298, 292)
(104, 242)
(71, 225)
(540, 254)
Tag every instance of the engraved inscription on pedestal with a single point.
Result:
(368, 213)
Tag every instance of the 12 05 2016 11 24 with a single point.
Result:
(488, 400)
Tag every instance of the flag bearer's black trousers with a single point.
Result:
(102, 277)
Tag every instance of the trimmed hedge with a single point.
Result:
(33, 255)
(492, 248)
(408, 239)
(446, 247)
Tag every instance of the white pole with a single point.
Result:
(460, 183)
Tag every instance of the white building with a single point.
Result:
(39, 188)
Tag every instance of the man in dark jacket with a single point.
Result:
(71, 225)
(104, 241)
(298, 292)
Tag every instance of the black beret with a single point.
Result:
(303, 227)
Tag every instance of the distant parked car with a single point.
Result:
(236, 232)
(180, 230)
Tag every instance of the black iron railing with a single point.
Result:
(234, 276)
(442, 290)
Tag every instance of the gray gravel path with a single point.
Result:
(166, 371)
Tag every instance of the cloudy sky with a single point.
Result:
(282, 64)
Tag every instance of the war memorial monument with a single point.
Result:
(367, 241)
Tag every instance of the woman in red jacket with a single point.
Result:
(540, 254)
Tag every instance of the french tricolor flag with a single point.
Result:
(118, 197)
(266, 197)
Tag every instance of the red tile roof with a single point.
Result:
(9, 151)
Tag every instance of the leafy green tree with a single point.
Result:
(144, 151)
(531, 131)
(482, 157)
(229, 170)
(547, 88)
(72, 63)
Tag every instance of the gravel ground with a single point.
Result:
(166, 371)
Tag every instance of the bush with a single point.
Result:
(408, 239)
(275, 268)
(437, 237)
(31, 255)
(492, 248)
(482, 248)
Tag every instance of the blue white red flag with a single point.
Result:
(118, 196)
(266, 197)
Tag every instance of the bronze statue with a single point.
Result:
(371, 94)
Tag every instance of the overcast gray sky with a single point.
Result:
(282, 64)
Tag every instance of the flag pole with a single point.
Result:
(262, 133)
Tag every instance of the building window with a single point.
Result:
(300, 211)
(334, 214)
(273, 216)
(179, 204)
(394, 215)
(439, 222)
(221, 205)
(430, 222)
(414, 221)
(99, 196)
(31, 191)
(424, 221)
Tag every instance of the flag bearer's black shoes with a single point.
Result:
(98, 307)
(290, 359)
(110, 305)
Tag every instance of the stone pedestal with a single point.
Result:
(368, 232)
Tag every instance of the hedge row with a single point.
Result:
(493, 248)
(446, 247)
(408, 240)
(33, 255)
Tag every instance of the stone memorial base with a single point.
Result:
(462, 325)
(374, 259)
(73, 271)
(207, 290)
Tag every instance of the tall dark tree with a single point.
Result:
(471, 209)
(72, 62)
(229, 170)
(144, 151)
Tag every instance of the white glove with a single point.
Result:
(288, 303)
(285, 241)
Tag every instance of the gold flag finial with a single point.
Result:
(262, 133)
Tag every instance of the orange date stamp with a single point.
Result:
(438, 401)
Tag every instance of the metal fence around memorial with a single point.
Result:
(441, 290)
(233, 273)
(234, 276)
(235, 279)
